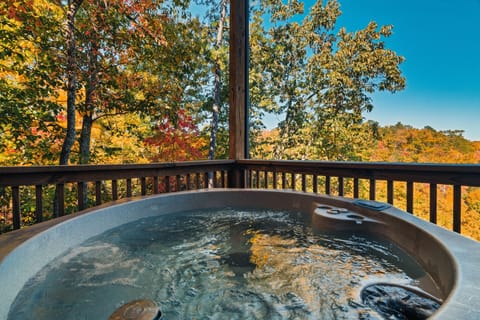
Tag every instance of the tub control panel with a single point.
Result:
(341, 218)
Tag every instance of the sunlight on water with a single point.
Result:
(224, 264)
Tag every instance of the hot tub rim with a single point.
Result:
(454, 300)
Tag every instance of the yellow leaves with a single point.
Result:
(472, 199)
(118, 140)
(140, 96)
(14, 79)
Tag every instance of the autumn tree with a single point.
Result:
(71, 78)
(134, 57)
(217, 85)
(317, 76)
(213, 85)
(96, 60)
(29, 81)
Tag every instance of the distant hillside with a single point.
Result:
(403, 143)
(372, 142)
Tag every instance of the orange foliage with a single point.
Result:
(401, 143)
(177, 140)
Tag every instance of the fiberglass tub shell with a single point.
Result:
(453, 261)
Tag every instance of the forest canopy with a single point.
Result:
(88, 81)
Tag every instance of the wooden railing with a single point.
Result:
(91, 185)
(334, 177)
(94, 184)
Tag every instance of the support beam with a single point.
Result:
(238, 65)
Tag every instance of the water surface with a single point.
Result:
(220, 264)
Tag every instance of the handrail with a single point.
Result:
(41, 175)
(462, 174)
(259, 172)
(175, 176)
(338, 178)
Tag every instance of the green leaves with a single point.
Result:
(131, 57)
(28, 79)
(153, 59)
(318, 79)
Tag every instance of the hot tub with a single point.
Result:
(451, 261)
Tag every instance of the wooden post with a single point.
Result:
(238, 79)
(238, 66)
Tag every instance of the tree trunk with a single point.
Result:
(217, 84)
(71, 69)
(84, 157)
(217, 87)
(89, 106)
(85, 137)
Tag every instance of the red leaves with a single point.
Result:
(62, 117)
(17, 10)
(12, 13)
(177, 140)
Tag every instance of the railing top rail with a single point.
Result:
(101, 167)
(454, 174)
(41, 175)
(368, 165)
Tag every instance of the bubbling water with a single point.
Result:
(217, 264)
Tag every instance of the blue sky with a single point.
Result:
(440, 40)
(441, 43)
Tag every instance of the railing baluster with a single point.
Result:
(205, 180)
(189, 178)
(304, 182)
(80, 196)
(155, 185)
(327, 184)
(114, 189)
(179, 181)
(433, 202)
(410, 197)
(292, 175)
(390, 191)
(372, 189)
(355, 188)
(222, 176)
(143, 186)
(257, 181)
(197, 180)
(315, 183)
(214, 179)
(16, 207)
(60, 197)
(275, 178)
(284, 180)
(457, 208)
(249, 179)
(167, 183)
(265, 175)
(98, 192)
(129, 187)
(340, 186)
(38, 203)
